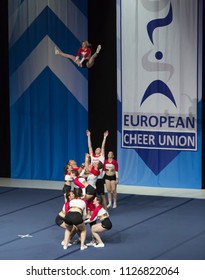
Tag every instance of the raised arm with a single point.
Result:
(87, 163)
(103, 143)
(90, 149)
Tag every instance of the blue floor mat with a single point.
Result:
(144, 228)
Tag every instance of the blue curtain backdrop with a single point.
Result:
(159, 92)
(48, 93)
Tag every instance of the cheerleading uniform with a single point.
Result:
(59, 219)
(111, 167)
(85, 54)
(100, 181)
(77, 212)
(101, 214)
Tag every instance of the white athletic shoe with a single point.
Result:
(109, 205)
(62, 243)
(91, 243)
(98, 49)
(56, 50)
(99, 245)
(114, 205)
(83, 247)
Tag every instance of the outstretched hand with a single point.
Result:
(106, 133)
(88, 133)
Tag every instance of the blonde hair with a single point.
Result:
(87, 43)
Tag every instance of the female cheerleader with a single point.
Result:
(84, 58)
(104, 225)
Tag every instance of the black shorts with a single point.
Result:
(106, 223)
(73, 218)
(110, 178)
(100, 189)
(90, 190)
(66, 189)
(59, 220)
(84, 63)
(92, 223)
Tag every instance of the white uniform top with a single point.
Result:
(92, 179)
(95, 158)
(68, 177)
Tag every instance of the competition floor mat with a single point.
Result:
(144, 228)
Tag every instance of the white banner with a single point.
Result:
(102, 269)
(159, 74)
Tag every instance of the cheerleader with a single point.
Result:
(98, 155)
(83, 58)
(75, 218)
(110, 170)
(105, 224)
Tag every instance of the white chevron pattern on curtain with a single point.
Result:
(46, 89)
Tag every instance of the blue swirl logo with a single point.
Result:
(158, 86)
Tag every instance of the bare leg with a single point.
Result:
(114, 192)
(82, 230)
(93, 241)
(109, 194)
(91, 61)
(104, 202)
(95, 230)
(63, 225)
(66, 55)
(76, 241)
(67, 237)
(73, 232)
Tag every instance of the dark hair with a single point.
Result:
(99, 199)
(75, 172)
(77, 192)
(68, 194)
(100, 165)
